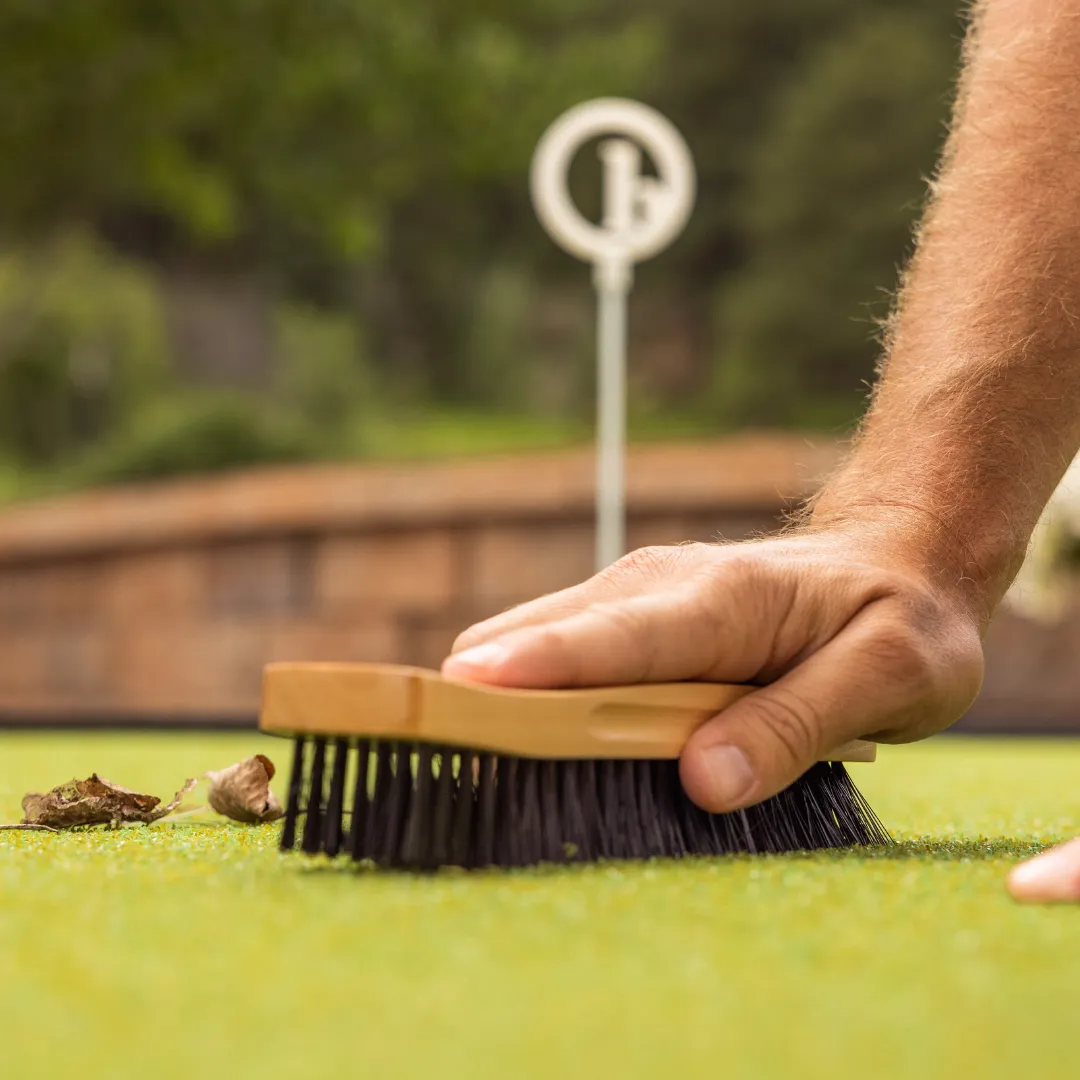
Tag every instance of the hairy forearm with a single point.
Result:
(977, 411)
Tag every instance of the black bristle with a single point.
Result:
(668, 799)
(485, 810)
(612, 836)
(418, 824)
(443, 814)
(473, 810)
(526, 827)
(651, 837)
(360, 804)
(312, 839)
(629, 795)
(552, 842)
(506, 833)
(397, 797)
(335, 799)
(375, 825)
(576, 835)
(747, 833)
(292, 803)
(460, 851)
(590, 805)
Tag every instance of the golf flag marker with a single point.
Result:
(642, 215)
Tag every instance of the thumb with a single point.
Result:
(765, 741)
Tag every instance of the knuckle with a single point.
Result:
(922, 609)
(908, 654)
(480, 632)
(548, 639)
(628, 627)
(792, 720)
(925, 656)
(968, 665)
(930, 643)
(725, 561)
(647, 562)
(467, 639)
(717, 581)
(741, 586)
(911, 600)
(559, 647)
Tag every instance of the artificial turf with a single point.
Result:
(186, 950)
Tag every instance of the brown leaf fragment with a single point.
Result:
(242, 791)
(96, 801)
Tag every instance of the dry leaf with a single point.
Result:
(242, 791)
(95, 801)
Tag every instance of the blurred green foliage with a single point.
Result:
(265, 131)
(826, 213)
(198, 433)
(364, 165)
(81, 346)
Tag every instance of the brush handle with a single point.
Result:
(646, 720)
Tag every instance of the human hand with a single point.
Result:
(845, 634)
(1052, 876)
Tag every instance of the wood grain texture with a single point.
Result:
(397, 702)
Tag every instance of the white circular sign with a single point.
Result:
(642, 214)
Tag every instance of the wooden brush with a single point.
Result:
(402, 768)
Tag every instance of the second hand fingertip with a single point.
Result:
(1053, 876)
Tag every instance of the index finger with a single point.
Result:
(640, 572)
(659, 637)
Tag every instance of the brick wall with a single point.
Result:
(164, 602)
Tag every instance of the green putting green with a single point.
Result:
(186, 950)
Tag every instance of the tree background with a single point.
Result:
(259, 230)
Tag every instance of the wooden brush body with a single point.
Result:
(387, 701)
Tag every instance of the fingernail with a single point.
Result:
(484, 657)
(1054, 875)
(731, 775)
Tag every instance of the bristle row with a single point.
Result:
(418, 806)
